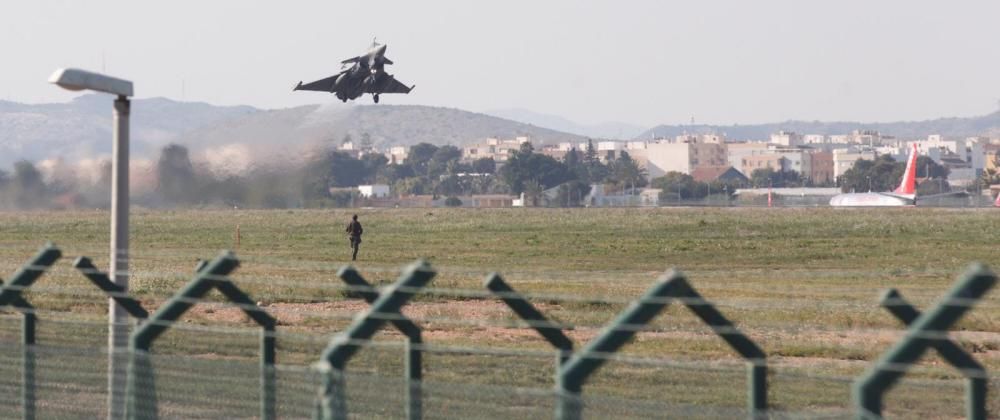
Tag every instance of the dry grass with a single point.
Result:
(802, 283)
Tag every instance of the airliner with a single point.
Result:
(904, 195)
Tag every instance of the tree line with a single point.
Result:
(327, 179)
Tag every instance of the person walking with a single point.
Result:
(354, 232)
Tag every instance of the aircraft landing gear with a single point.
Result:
(376, 98)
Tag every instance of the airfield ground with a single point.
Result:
(802, 283)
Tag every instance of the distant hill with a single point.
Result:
(606, 130)
(238, 136)
(988, 125)
(82, 128)
(278, 136)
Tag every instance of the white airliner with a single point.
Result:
(904, 195)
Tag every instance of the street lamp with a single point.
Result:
(75, 79)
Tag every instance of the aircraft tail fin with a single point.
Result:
(908, 185)
(997, 203)
(351, 60)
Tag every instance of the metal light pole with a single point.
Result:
(74, 79)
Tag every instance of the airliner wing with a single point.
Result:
(910, 197)
(944, 194)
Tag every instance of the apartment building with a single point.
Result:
(499, 150)
(843, 159)
(682, 154)
(821, 169)
(787, 138)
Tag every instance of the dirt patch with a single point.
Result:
(493, 322)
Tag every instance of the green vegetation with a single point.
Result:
(329, 177)
(803, 283)
(884, 173)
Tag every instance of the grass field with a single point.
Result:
(802, 283)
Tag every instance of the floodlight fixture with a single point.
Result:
(76, 79)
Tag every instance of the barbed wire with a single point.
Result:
(397, 345)
(331, 291)
(312, 264)
(224, 355)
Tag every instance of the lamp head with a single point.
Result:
(76, 79)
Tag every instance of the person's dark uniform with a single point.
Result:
(354, 232)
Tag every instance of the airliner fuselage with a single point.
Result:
(869, 200)
(904, 195)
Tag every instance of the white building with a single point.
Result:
(397, 154)
(494, 148)
(970, 150)
(374, 191)
(713, 138)
(787, 138)
(604, 146)
(663, 157)
(814, 139)
(798, 159)
(635, 145)
(870, 138)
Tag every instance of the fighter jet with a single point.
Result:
(366, 74)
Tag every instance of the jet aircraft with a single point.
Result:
(365, 75)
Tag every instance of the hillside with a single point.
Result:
(606, 130)
(238, 136)
(82, 128)
(988, 125)
(387, 125)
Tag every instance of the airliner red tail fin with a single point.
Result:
(997, 203)
(908, 185)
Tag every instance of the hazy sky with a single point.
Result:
(645, 62)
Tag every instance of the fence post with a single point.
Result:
(550, 331)
(141, 391)
(414, 361)
(927, 330)
(575, 372)
(955, 355)
(28, 352)
(11, 295)
(28, 326)
(28, 274)
(114, 291)
(345, 345)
